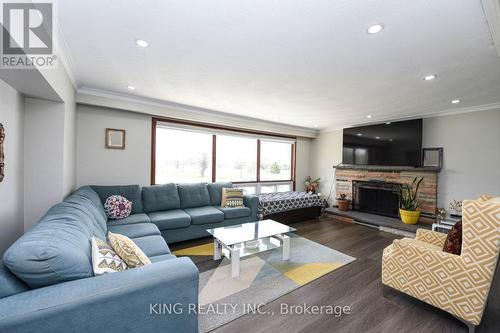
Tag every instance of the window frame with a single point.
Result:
(235, 130)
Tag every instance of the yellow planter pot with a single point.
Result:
(408, 216)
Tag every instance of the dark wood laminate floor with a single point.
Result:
(358, 286)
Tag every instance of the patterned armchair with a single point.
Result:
(458, 284)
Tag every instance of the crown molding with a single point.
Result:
(155, 107)
(491, 10)
(66, 60)
(442, 113)
(63, 53)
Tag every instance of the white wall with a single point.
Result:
(43, 157)
(50, 147)
(11, 188)
(471, 143)
(303, 159)
(69, 150)
(60, 82)
(326, 151)
(471, 158)
(99, 166)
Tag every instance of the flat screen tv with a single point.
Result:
(388, 144)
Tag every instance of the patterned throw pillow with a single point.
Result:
(104, 259)
(453, 243)
(232, 197)
(128, 250)
(117, 207)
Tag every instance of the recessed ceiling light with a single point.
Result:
(377, 137)
(141, 43)
(455, 101)
(360, 134)
(430, 77)
(388, 123)
(369, 116)
(130, 87)
(375, 29)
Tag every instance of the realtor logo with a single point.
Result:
(27, 35)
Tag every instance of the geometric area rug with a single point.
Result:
(263, 278)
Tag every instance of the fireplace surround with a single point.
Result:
(387, 177)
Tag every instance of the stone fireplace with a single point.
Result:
(371, 189)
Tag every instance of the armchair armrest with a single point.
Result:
(251, 201)
(431, 237)
(127, 301)
(421, 251)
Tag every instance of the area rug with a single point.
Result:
(263, 278)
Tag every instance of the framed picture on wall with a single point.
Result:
(115, 138)
(432, 158)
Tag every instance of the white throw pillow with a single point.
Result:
(104, 258)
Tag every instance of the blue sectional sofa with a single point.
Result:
(46, 278)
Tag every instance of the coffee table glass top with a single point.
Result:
(249, 231)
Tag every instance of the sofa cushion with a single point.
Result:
(162, 257)
(152, 245)
(215, 192)
(9, 283)
(131, 192)
(55, 250)
(193, 195)
(135, 230)
(135, 218)
(234, 212)
(170, 219)
(160, 197)
(204, 215)
(89, 193)
(96, 215)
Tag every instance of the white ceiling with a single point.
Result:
(302, 63)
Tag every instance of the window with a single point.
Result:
(184, 152)
(183, 156)
(275, 160)
(248, 189)
(236, 159)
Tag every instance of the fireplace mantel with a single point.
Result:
(385, 168)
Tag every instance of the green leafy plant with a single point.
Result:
(408, 195)
(342, 196)
(312, 185)
(310, 181)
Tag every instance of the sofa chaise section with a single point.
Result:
(47, 280)
(118, 302)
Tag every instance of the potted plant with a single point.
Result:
(408, 203)
(311, 185)
(343, 202)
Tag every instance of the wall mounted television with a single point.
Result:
(387, 144)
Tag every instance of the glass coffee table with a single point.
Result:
(247, 239)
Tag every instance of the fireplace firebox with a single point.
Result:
(377, 197)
